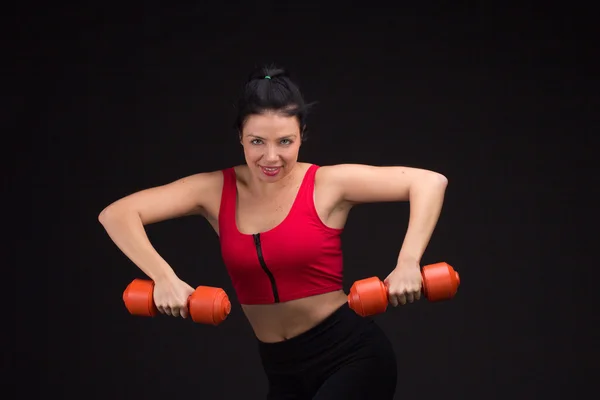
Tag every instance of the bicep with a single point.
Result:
(357, 183)
(183, 197)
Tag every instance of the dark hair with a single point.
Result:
(270, 88)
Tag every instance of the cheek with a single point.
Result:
(292, 153)
(251, 152)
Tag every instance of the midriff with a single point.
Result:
(282, 321)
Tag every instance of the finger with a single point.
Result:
(160, 309)
(417, 294)
(410, 297)
(399, 299)
(393, 300)
(175, 311)
(180, 311)
(184, 312)
(402, 298)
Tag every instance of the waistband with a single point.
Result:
(339, 329)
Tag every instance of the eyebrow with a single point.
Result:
(279, 138)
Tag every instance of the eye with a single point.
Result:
(255, 141)
(286, 141)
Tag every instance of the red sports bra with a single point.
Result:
(298, 258)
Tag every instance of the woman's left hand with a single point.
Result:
(404, 282)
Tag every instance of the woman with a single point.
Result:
(279, 223)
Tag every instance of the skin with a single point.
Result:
(272, 139)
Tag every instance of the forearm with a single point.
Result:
(126, 230)
(426, 199)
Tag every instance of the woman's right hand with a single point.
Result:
(171, 297)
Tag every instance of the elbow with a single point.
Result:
(104, 215)
(108, 214)
(117, 211)
(438, 184)
(442, 183)
(441, 180)
(437, 181)
(430, 182)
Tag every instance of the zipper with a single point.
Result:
(264, 266)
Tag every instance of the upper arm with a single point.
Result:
(357, 183)
(185, 196)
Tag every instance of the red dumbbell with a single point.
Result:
(207, 305)
(370, 296)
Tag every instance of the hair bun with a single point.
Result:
(269, 72)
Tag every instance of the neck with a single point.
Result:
(268, 189)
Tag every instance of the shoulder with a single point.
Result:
(337, 173)
(331, 179)
(213, 181)
(199, 185)
(206, 188)
(240, 172)
(204, 178)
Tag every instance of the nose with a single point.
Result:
(271, 154)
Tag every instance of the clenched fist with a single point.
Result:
(171, 297)
(404, 283)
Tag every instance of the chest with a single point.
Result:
(256, 215)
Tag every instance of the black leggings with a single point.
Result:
(344, 357)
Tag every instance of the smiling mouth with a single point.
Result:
(270, 171)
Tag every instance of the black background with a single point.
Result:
(105, 101)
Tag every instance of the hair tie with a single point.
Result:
(267, 77)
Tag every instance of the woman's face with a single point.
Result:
(271, 144)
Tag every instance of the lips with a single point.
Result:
(270, 171)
